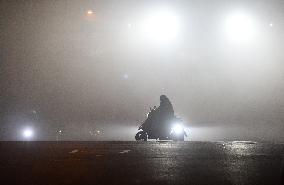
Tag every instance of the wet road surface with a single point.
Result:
(196, 163)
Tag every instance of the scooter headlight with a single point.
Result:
(177, 129)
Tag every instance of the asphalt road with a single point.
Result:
(195, 163)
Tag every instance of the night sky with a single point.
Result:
(78, 66)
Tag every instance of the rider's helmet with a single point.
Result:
(163, 98)
(166, 106)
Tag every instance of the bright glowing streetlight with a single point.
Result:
(89, 15)
(240, 27)
(90, 12)
(161, 26)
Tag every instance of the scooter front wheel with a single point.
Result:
(141, 136)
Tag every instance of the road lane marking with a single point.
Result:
(124, 151)
(73, 151)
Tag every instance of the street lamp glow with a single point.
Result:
(90, 12)
(240, 27)
(161, 26)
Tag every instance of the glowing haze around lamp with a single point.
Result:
(240, 27)
(161, 26)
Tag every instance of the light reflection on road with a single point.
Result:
(241, 147)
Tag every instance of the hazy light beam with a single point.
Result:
(161, 26)
(240, 27)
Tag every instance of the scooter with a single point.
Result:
(161, 129)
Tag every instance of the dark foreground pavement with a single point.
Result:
(196, 163)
